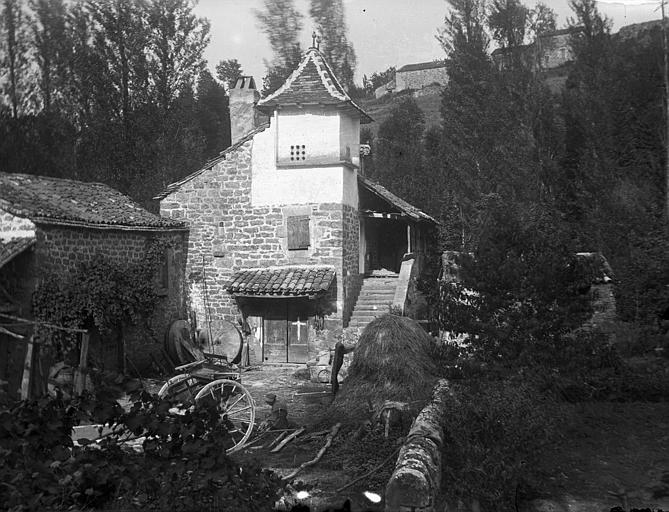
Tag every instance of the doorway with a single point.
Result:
(286, 331)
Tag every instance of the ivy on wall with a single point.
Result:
(101, 293)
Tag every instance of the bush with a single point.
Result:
(182, 466)
(518, 293)
(494, 433)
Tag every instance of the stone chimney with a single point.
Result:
(243, 115)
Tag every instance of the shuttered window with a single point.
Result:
(298, 232)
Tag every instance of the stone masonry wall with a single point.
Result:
(352, 278)
(228, 233)
(420, 78)
(61, 249)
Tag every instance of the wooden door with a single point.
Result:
(276, 335)
(286, 332)
(298, 333)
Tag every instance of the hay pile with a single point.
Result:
(395, 359)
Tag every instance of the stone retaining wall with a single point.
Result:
(415, 482)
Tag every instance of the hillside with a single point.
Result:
(429, 102)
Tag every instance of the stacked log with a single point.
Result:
(415, 482)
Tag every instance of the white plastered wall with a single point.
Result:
(301, 185)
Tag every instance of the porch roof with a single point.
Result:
(290, 281)
(396, 202)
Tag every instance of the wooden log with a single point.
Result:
(278, 438)
(318, 457)
(288, 439)
(415, 482)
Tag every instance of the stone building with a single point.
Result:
(283, 227)
(415, 77)
(48, 227)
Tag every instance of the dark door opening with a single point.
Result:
(386, 243)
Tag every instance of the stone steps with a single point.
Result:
(376, 296)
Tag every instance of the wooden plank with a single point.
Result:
(27, 368)
(81, 371)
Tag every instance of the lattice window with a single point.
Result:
(298, 232)
(298, 152)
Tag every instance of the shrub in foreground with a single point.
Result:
(494, 433)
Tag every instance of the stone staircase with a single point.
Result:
(376, 296)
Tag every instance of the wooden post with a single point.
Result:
(27, 369)
(82, 370)
(408, 239)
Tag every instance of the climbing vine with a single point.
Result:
(101, 293)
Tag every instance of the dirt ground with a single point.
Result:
(307, 403)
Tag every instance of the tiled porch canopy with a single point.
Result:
(293, 281)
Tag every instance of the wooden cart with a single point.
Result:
(214, 379)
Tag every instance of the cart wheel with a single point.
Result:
(182, 387)
(235, 404)
(323, 376)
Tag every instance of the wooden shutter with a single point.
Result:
(298, 232)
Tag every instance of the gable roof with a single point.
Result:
(422, 65)
(396, 201)
(312, 83)
(173, 187)
(282, 281)
(47, 200)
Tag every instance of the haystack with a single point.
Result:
(394, 359)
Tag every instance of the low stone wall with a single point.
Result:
(415, 482)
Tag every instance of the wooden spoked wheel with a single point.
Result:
(182, 388)
(236, 406)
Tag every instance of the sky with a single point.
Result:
(384, 33)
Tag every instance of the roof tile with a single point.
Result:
(60, 201)
(281, 281)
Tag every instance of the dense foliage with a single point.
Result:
(99, 294)
(106, 91)
(183, 465)
(582, 144)
(495, 434)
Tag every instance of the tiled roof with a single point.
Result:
(172, 187)
(49, 200)
(395, 201)
(313, 82)
(422, 65)
(281, 281)
(12, 247)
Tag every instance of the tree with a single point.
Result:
(228, 71)
(176, 41)
(541, 20)
(508, 22)
(488, 145)
(213, 114)
(15, 57)
(398, 161)
(51, 49)
(338, 51)
(120, 37)
(282, 23)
